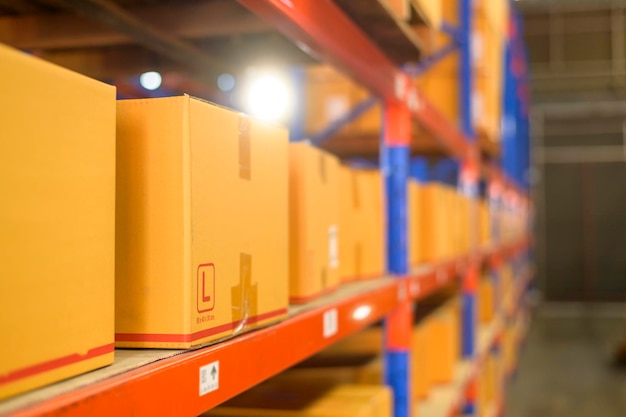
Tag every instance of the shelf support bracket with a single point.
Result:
(431, 60)
(357, 111)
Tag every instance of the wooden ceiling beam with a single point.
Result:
(182, 20)
(110, 63)
(127, 60)
(19, 6)
(113, 16)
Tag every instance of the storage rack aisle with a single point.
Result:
(141, 381)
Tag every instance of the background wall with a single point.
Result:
(578, 71)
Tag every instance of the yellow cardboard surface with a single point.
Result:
(435, 222)
(441, 83)
(57, 180)
(485, 301)
(367, 371)
(414, 216)
(373, 256)
(276, 399)
(444, 334)
(362, 239)
(484, 223)
(313, 221)
(349, 242)
(202, 223)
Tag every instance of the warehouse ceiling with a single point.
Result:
(190, 42)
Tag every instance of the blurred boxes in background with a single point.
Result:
(202, 223)
(286, 399)
(57, 180)
(361, 225)
(414, 207)
(313, 222)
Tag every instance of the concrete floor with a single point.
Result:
(565, 368)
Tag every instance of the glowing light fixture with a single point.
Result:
(150, 80)
(225, 82)
(268, 95)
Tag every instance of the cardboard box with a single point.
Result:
(271, 399)
(349, 241)
(434, 222)
(57, 180)
(361, 224)
(441, 83)
(313, 222)
(484, 223)
(414, 215)
(343, 369)
(445, 342)
(202, 223)
(370, 184)
(485, 300)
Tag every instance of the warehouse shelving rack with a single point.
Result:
(167, 382)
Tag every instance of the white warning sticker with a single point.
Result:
(331, 323)
(209, 377)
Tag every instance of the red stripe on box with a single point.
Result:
(55, 364)
(187, 338)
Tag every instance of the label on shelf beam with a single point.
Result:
(209, 377)
(331, 323)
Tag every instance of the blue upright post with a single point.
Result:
(468, 183)
(468, 180)
(395, 167)
(509, 112)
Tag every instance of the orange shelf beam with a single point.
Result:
(171, 386)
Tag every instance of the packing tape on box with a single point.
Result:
(244, 295)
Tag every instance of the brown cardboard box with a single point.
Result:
(57, 181)
(313, 222)
(202, 223)
(272, 399)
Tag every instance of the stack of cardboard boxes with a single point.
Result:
(146, 223)
(441, 83)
